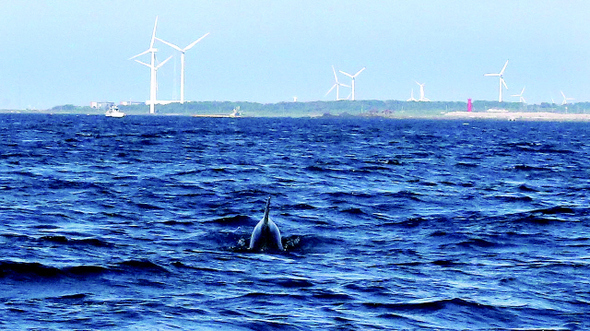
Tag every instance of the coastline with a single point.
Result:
(387, 109)
(519, 116)
(454, 115)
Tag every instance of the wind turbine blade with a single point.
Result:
(562, 94)
(359, 71)
(344, 85)
(335, 76)
(161, 64)
(491, 75)
(504, 68)
(521, 92)
(140, 54)
(330, 90)
(194, 42)
(503, 82)
(347, 74)
(154, 34)
(145, 64)
(170, 44)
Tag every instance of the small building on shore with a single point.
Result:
(101, 104)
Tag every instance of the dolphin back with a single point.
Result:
(266, 234)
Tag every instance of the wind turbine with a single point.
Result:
(412, 96)
(154, 80)
(565, 100)
(352, 77)
(502, 82)
(336, 85)
(422, 98)
(182, 51)
(153, 69)
(520, 96)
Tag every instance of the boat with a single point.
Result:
(114, 112)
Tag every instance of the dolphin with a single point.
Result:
(266, 234)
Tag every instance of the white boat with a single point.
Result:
(114, 112)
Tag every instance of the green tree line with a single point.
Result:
(334, 108)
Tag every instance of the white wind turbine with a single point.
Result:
(502, 82)
(336, 85)
(565, 100)
(352, 77)
(422, 98)
(182, 51)
(153, 69)
(154, 82)
(412, 96)
(520, 96)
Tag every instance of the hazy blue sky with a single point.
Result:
(74, 52)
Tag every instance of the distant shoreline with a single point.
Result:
(519, 116)
(453, 115)
(482, 109)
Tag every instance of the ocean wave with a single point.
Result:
(86, 270)
(27, 269)
(536, 220)
(235, 220)
(527, 188)
(331, 295)
(477, 243)
(149, 206)
(37, 271)
(142, 265)
(95, 242)
(555, 210)
(428, 305)
(526, 167)
(513, 198)
(467, 164)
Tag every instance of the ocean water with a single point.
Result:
(143, 223)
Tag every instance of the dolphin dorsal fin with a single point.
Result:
(266, 211)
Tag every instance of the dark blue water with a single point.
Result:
(143, 223)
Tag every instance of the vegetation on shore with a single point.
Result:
(388, 108)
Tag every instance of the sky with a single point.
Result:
(57, 52)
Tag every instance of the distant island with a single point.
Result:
(347, 108)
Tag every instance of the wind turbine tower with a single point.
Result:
(336, 85)
(154, 81)
(502, 82)
(412, 96)
(182, 51)
(422, 98)
(353, 77)
(153, 69)
(520, 96)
